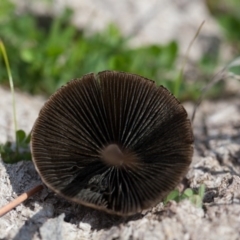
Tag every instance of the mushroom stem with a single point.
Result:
(19, 200)
(113, 155)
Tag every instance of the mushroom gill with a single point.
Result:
(113, 141)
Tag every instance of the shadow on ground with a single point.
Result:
(46, 205)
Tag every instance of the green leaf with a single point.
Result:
(173, 195)
(27, 55)
(201, 191)
(28, 138)
(12, 153)
(196, 200)
(21, 135)
(186, 194)
(14, 157)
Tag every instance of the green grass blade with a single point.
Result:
(4, 53)
(201, 191)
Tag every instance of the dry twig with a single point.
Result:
(19, 200)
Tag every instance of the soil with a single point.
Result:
(216, 163)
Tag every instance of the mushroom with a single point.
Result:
(113, 141)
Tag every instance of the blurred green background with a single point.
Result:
(45, 53)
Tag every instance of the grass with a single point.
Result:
(46, 56)
(16, 151)
(194, 196)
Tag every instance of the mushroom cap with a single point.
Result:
(113, 141)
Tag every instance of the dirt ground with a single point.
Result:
(216, 163)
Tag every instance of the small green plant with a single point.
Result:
(46, 58)
(14, 152)
(48, 55)
(196, 197)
